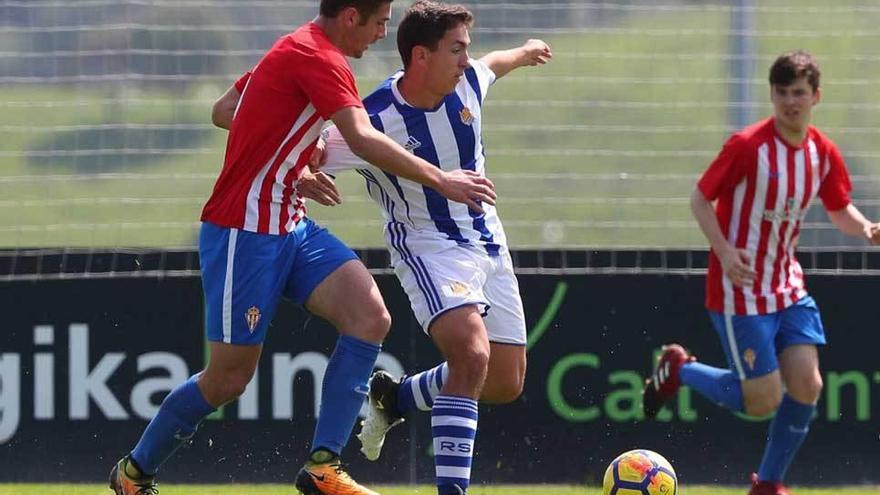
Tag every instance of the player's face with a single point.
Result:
(446, 65)
(365, 34)
(793, 104)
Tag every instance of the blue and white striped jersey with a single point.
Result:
(418, 218)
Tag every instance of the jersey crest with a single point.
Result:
(467, 118)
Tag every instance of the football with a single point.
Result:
(640, 472)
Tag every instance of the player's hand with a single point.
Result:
(319, 157)
(468, 187)
(318, 187)
(737, 265)
(873, 234)
(537, 52)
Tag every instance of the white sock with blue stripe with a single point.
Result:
(454, 427)
(418, 391)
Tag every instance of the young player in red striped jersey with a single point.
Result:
(761, 184)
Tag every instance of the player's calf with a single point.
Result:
(506, 375)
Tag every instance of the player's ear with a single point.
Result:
(350, 16)
(817, 96)
(420, 54)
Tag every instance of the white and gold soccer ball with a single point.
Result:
(640, 472)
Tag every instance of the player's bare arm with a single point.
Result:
(852, 222)
(736, 263)
(463, 186)
(224, 108)
(532, 52)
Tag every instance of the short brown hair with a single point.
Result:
(794, 65)
(425, 23)
(366, 8)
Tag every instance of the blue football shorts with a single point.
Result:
(753, 342)
(244, 274)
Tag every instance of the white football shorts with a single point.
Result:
(463, 275)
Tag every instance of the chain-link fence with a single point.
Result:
(108, 141)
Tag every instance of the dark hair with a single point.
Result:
(366, 8)
(793, 65)
(425, 23)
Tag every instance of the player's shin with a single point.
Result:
(787, 432)
(719, 385)
(344, 391)
(175, 423)
(454, 427)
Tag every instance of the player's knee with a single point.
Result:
(477, 361)
(234, 390)
(376, 324)
(225, 389)
(470, 365)
(806, 390)
(815, 388)
(369, 322)
(763, 404)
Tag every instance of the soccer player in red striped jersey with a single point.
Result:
(761, 184)
(256, 244)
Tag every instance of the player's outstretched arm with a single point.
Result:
(736, 263)
(463, 186)
(532, 52)
(850, 221)
(332, 154)
(224, 108)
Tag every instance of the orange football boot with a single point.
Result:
(123, 484)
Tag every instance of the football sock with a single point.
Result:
(787, 433)
(322, 456)
(454, 427)
(721, 386)
(418, 391)
(132, 470)
(175, 423)
(343, 392)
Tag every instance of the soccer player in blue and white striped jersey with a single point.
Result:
(452, 260)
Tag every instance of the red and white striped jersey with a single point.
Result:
(297, 85)
(763, 187)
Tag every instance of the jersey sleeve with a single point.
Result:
(484, 75)
(242, 81)
(836, 186)
(329, 84)
(339, 156)
(726, 171)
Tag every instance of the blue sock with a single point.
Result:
(454, 427)
(721, 386)
(787, 433)
(418, 391)
(175, 423)
(343, 393)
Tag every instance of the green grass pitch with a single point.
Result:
(74, 489)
